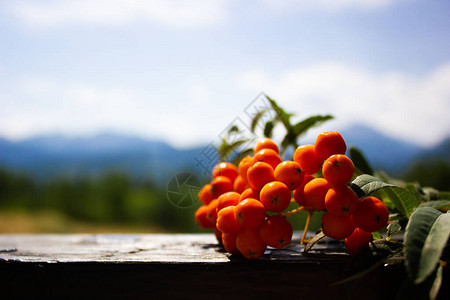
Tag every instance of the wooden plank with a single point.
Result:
(183, 266)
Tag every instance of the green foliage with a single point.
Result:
(426, 236)
(110, 199)
(360, 161)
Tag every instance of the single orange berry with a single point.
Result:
(314, 192)
(212, 211)
(229, 243)
(244, 164)
(227, 199)
(358, 240)
(266, 143)
(221, 185)
(338, 169)
(371, 214)
(341, 201)
(290, 173)
(206, 195)
(307, 158)
(249, 193)
(259, 174)
(239, 184)
(268, 156)
(329, 143)
(226, 221)
(337, 228)
(276, 231)
(250, 213)
(250, 244)
(299, 195)
(275, 196)
(226, 169)
(201, 217)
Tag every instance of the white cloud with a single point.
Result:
(325, 5)
(409, 107)
(172, 13)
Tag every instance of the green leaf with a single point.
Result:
(444, 195)
(282, 115)
(268, 128)
(377, 236)
(403, 200)
(302, 126)
(438, 204)
(359, 160)
(434, 291)
(226, 149)
(256, 119)
(426, 235)
(393, 228)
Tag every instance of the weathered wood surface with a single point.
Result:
(176, 266)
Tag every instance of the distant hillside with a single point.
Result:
(383, 152)
(48, 156)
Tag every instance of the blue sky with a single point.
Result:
(182, 70)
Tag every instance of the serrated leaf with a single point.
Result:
(302, 126)
(360, 161)
(425, 238)
(256, 119)
(268, 128)
(404, 201)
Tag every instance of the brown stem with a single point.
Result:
(291, 212)
(308, 220)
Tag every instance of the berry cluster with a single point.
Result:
(245, 204)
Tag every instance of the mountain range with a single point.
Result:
(46, 157)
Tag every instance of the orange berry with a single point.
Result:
(299, 195)
(337, 228)
(212, 211)
(338, 169)
(329, 143)
(250, 213)
(314, 192)
(268, 156)
(221, 185)
(341, 201)
(201, 217)
(244, 164)
(249, 193)
(226, 221)
(259, 174)
(266, 143)
(307, 158)
(227, 199)
(239, 184)
(275, 196)
(290, 173)
(250, 244)
(276, 231)
(205, 195)
(229, 243)
(218, 235)
(371, 214)
(358, 240)
(226, 169)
